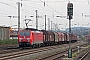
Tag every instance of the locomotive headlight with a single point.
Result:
(28, 39)
(20, 39)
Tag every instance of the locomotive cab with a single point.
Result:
(24, 38)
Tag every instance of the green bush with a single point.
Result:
(10, 41)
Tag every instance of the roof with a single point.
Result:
(4, 27)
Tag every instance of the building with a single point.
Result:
(13, 33)
(4, 33)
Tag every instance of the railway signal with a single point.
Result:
(70, 9)
(70, 14)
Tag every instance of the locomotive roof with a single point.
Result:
(31, 29)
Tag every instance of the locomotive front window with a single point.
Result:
(24, 33)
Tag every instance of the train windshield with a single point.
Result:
(25, 33)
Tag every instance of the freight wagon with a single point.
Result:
(87, 37)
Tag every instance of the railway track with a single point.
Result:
(10, 49)
(32, 51)
(85, 54)
(27, 52)
(59, 55)
(5, 47)
(83, 57)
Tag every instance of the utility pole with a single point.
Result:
(36, 20)
(70, 50)
(55, 26)
(48, 23)
(18, 16)
(45, 22)
(51, 25)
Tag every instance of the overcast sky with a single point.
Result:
(51, 9)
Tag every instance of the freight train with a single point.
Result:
(37, 38)
(87, 38)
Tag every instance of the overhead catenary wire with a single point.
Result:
(27, 6)
(88, 3)
(42, 7)
(28, 10)
(13, 7)
(24, 9)
(51, 8)
(38, 8)
(51, 1)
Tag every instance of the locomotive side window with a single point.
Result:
(24, 33)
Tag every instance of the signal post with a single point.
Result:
(70, 15)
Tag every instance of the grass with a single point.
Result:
(9, 41)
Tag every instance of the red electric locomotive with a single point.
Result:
(30, 37)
